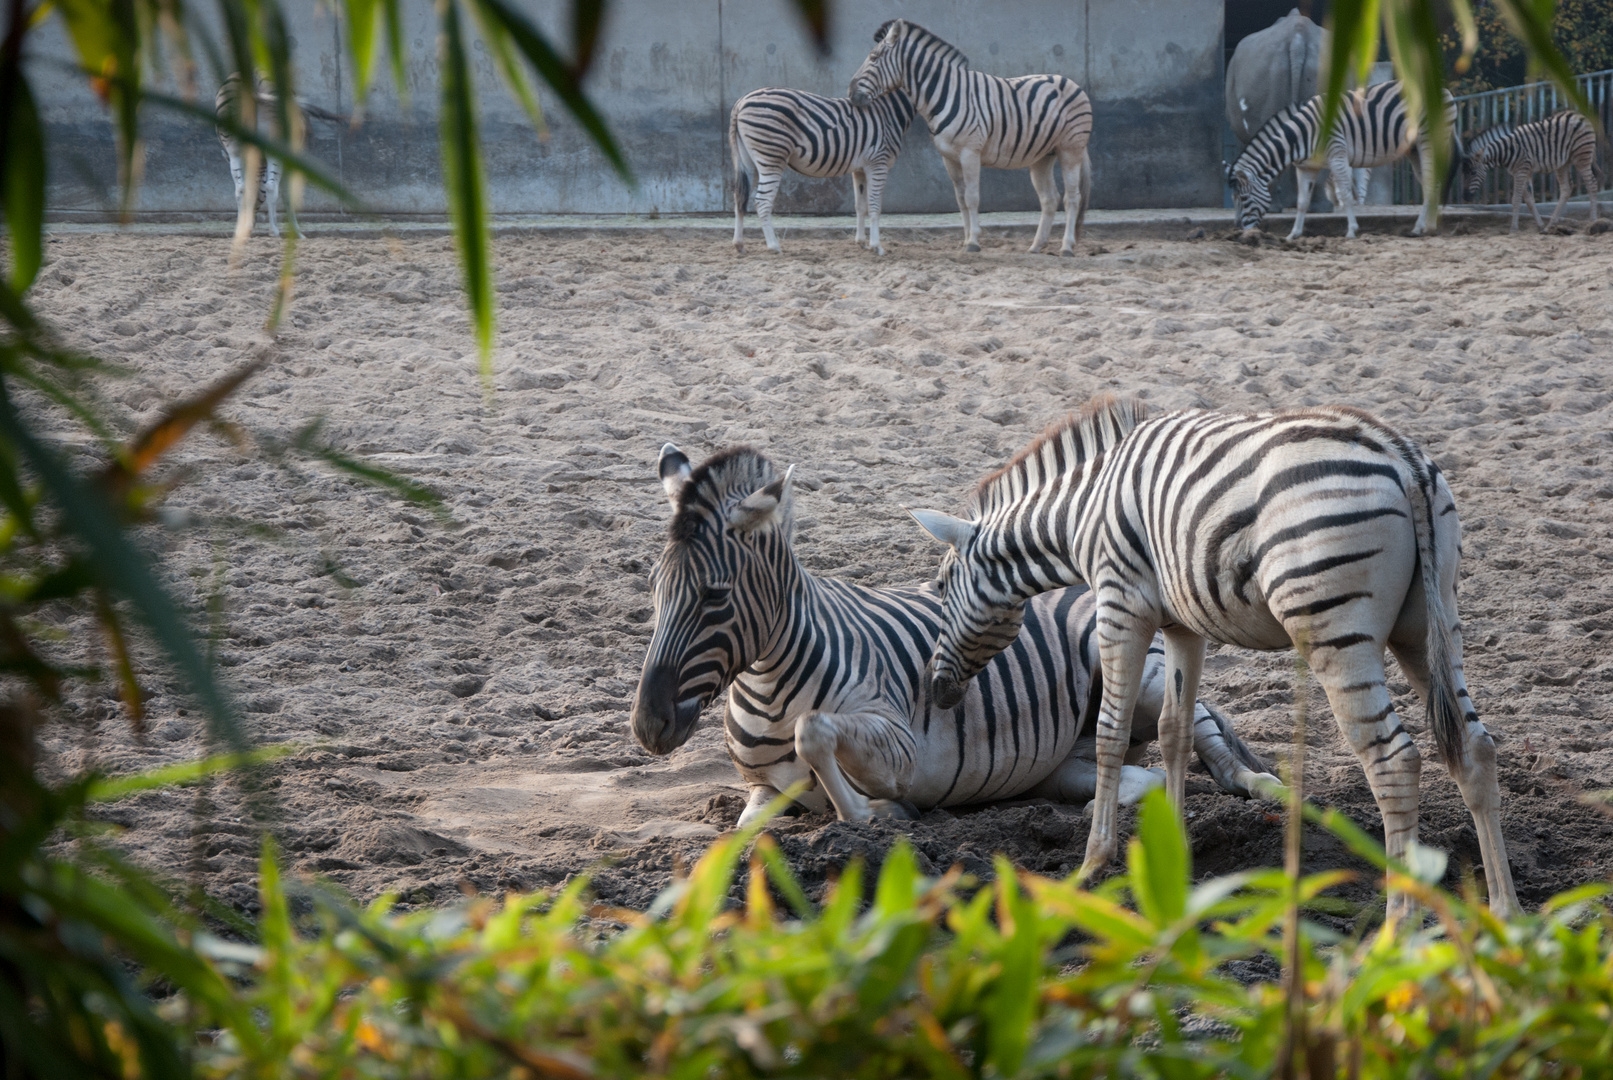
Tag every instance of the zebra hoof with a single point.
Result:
(971, 247)
(1067, 253)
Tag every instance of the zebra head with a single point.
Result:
(882, 71)
(1251, 195)
(982, 616)
(718, 587)
(1476, 160)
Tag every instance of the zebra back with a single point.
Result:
(817, 135)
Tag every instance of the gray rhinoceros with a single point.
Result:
(1272, 69)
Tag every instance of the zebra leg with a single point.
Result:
(1587, 176)
(1047, 194)
(768, 178)
(1123, 651)
(1184, 660)
(877, 750)
(876, 196)
(1307, 182)
(1233, 765)
(1077, 190)
(1342, 179)
(1565, 187)
(1353, 677)
(236, 175)
(271, 192)
(1076, 779)
(859, 191)
(969, 162)
(955, 171)
(1528, 186)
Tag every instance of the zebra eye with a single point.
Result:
(715, 595)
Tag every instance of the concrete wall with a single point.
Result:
(665, 76)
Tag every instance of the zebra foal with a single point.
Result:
(976, 119)
(1321, 529)
(772, 130)
(826, 678)
(1374, 128)
(1558, 144)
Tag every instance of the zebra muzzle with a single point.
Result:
(946, 691)
(661, 722)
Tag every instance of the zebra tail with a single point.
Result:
(742, 164)
(1444, 711)
(322, 114)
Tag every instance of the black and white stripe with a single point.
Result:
(1031, 122)
(1374, 128)
(1561, 144)
(1321, 529)
(772, 130)
(826, 679)
(232, 104)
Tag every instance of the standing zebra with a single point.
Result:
(1319, 528)
(1559, 143)
(979, 119)
(228, 105)
(1374, 128)
(828, 677)
(772, 130)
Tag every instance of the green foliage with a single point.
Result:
(1026, 977)
(1581, 29)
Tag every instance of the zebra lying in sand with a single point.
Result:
(774, 130)
(227, 106)
(1319, 529)
(827, 681)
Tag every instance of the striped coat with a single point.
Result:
(826, 679)
(773, 130)
(1374, 128)
(1031, 122)
(1319, 529)
(1559, 144)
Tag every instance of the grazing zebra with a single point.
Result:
(227, 106)
(1319, 528)
(1374, 128)
(773, 130)
(979, 119)
(1561, 142)
(828, 677)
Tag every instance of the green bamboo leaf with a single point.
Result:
(1160, 863)
(24, 181)
(1010, 1007)
(466, 184)
(361, 17)
(1531, 22)
(122, 569)
(498, 42)
(560, 78)
(112, 788)
(586, 18)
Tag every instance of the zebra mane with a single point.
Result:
(727, 476)
(1089, 431)
(949, 52)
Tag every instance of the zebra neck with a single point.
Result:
(794, 596)
(1039, 534)
(940, 94)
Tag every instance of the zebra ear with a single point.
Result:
(944, 527)
(763, 506)
(673, 466)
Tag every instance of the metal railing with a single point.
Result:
(1512, 106)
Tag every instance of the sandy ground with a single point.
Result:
(461, 691)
